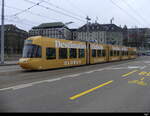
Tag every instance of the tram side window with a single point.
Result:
(73, 53)
(118, 53)
(103, 53)
(93, 53)
(81, 53)
(51, 53)
(123, 53)
(99, 54)
(127, 53)
(38, 52)
(63, 53)
(111, 53)
(115, 53)
(134, 53)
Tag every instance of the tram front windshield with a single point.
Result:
(32, 51)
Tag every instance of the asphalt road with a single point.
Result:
(110, 87)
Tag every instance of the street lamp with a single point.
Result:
(69, 23)
(60, 30)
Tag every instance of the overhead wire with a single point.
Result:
(27, 9)
(30, 12)
(131, 16)
(135, 11)
(58, 7)
(59, 12)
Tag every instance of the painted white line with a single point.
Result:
(89, 72)
(146, 62)
(100, 70)
(52, 80)
(21, 86)
(124, 64)
(129, 67)
(38, 82)
(4, 89)
(143, 67)
(117, 68)
(75, 75)
(57, 79)
(133, 67)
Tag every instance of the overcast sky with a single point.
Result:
(125, 12)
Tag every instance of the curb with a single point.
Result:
(8, 64)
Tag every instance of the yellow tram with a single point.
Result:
(132, 53)
(124, 53)
(114, 53)
(98, 53)
(42, 53)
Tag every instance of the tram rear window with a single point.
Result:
(32, 51)
(63, 53)
(51, 53)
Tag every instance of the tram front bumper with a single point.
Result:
(25, 63)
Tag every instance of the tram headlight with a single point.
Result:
(23, 60)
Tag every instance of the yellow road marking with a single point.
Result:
(142, 78)
(90, 90)
(127, 74)
(144, 73)
(138, 82)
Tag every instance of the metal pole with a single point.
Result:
(2, 34)
(88, 36)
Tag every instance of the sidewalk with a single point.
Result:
(8, 63)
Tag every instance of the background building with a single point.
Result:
(113, 34)
(90, 32)
(14, 40)
(141, 37)
(52, 30)
(125, 36)
(100, 33)
(137, 37)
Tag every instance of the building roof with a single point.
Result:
(111, 27)
(12, 28)
(50, 25)
(100, 27)
(91, 27)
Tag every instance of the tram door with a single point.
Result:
(88, 53)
